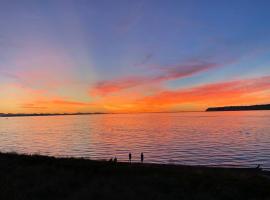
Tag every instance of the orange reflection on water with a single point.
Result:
(183, 138)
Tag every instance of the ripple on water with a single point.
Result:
(231, 138)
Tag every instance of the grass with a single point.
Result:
(41, 177)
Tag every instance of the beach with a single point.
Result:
(42, 177)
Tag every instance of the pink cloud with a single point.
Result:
(164, 74)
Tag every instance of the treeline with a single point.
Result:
(239, 108)
(43, 114)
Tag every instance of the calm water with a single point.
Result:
(218, 138)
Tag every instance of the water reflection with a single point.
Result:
(219, 138)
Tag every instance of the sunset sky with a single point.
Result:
(132, 56)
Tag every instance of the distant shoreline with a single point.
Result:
(239, 108)
(45, 114)
(95, 113)
(210, 109)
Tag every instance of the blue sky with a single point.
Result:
(68, 48)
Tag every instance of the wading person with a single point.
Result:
(129, 157)
(142, 157)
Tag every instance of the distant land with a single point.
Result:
(239, 108)
(44, 114)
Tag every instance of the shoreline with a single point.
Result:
(95, 113)
(46, 114)
(44, 177)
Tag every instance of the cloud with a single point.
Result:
(68, 102)
(164, 74)
(39, 65)
(32, 106)
(145, 59)
(50, 104)
(17, 97)
(57, 102)
(236, 92)
(251, 90)
(9, 75)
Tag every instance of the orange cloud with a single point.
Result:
(165, 74)
(62, 102)
(19, 98)
(56, 104)
(233, 92)
(236, 92)
(32, 106)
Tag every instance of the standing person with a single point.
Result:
(142, 157)
(129, 157)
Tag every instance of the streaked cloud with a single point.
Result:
(248, 91)
(63, 102)
(32, 106)
(50, 104)
(145, 59)
(245, 91)
(164, 74)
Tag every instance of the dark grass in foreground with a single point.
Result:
(41, 177)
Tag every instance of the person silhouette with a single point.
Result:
(142, 157)
(115, 160)
(129, 157)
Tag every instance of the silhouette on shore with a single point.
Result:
(115, 160)
(258, 167)
(133, 182)
(142, 157)
(129, 157)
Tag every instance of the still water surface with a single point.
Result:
(199, 138)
